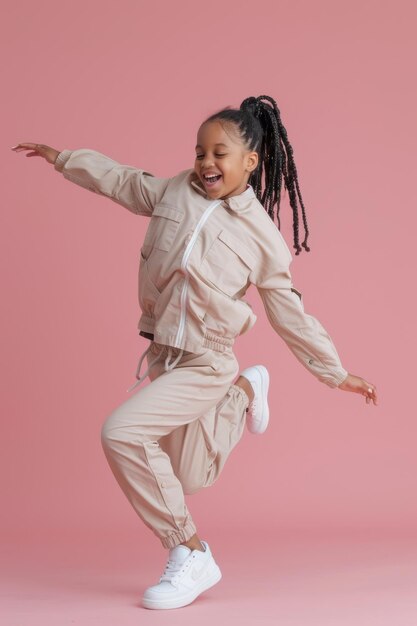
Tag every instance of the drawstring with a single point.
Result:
(168, 366)
(141, 378)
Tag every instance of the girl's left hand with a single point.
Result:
(359, 385)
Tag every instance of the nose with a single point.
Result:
(207, 162)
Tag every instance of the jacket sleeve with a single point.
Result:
(135, 189)
(304, 335)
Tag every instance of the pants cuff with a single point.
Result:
(174, 539)
(243, 394)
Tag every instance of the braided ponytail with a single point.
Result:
(261, 129)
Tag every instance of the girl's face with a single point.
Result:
(223, 155)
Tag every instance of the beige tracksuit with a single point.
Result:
(198, 258)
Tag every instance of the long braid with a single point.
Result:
(262, 130)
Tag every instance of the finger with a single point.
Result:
(24, 146)
(21, 149)
(371, 393)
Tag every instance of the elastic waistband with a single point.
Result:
(210, 340)
(215, 342)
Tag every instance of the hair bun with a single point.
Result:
(251, 105)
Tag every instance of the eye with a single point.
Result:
(200, 156)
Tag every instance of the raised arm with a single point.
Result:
(135, 189)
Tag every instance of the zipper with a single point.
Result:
(184, 261)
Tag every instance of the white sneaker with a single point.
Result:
(258, 410)
(187, 574)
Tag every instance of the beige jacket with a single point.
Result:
(198, 259)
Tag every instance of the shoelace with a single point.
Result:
(173, 570)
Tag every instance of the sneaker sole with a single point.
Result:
(260, 427)
(185, 598)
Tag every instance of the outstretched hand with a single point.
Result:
(359, 385)
(38, 149)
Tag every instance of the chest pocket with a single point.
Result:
(162, 228)
(228, 263)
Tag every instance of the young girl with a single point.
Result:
(211, 235)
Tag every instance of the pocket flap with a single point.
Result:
(238, 248)
(168, 210)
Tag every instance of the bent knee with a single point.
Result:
(106, 433)
(112, 431)
(116, 429)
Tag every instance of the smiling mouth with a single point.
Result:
(210, 181)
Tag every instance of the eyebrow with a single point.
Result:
(216, 144)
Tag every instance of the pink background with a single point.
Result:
(134, 80)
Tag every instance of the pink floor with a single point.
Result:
(294, 579)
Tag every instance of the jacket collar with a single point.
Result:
(235, 203)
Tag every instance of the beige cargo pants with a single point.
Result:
(173, 436)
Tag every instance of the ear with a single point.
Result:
(252, 160)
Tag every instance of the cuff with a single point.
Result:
(184, 534)
(61, 159)
(338, 378)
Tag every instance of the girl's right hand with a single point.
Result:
(359, 385)
(38, 149)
